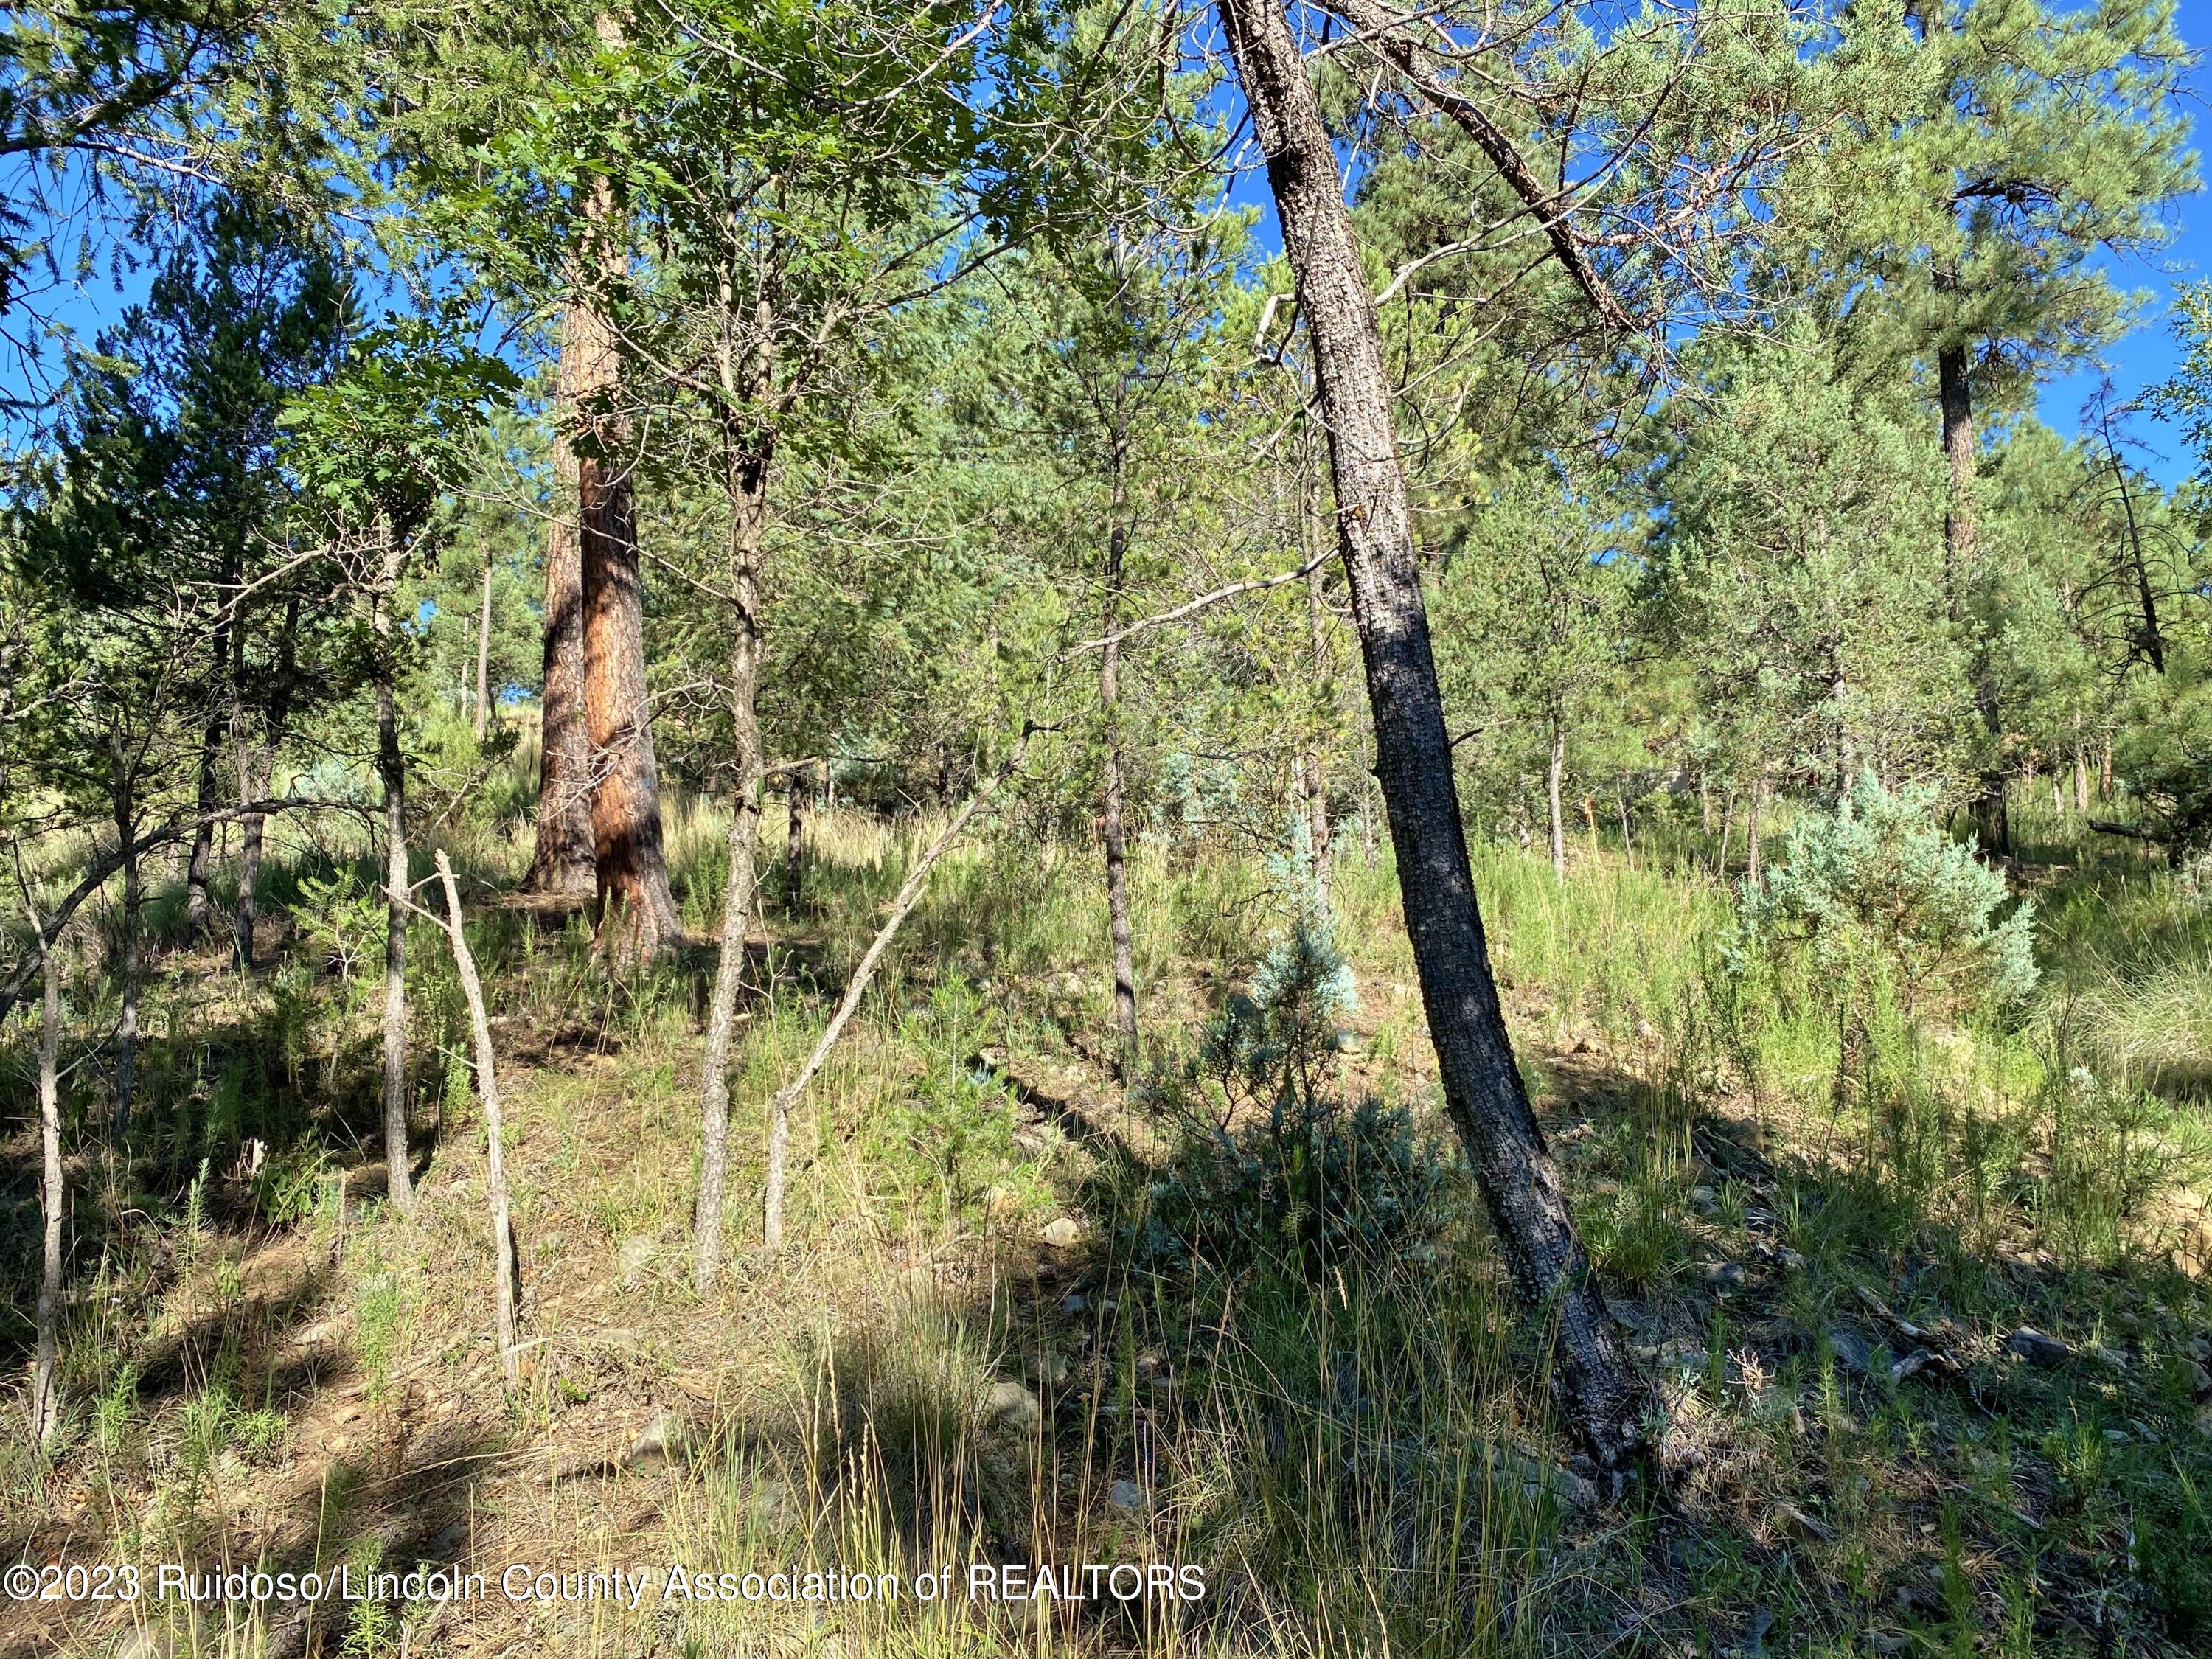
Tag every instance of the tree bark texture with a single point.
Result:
(508, 1287)
(747, 465)
(637, 915)
(1113, 827)
(800, 784)
(222, 695)
(1317, 777)
(562, 860)
(1598, 1391)
(45, 1381)
(255, 770)
(391, 772)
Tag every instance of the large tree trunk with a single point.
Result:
(1598, 1391)
(391, 772)
(747, 468)
(1554, 778)
(562, 861)
(46, 1382)
(638, 912)
(1961, 544)
(1113, 830)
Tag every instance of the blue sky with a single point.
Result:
(2148, 354)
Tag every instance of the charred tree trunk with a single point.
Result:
(1113, 828)
(746, 469)
(2150, 640)
(392, 773)
(562, 860)
(45, 1380)
(1599, 1393)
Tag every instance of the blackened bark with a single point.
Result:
(562, 859)
(2149, 640)
(1598, 1391)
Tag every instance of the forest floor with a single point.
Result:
(1930, 1370)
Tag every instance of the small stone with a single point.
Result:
(2200, 1380)
(771, 1507)
(1064, 1234)
(1646, 1031)
(1789, 1258)
(634, 1257)
(1725, 1276)
(2200, 1350)
(1074, 1303)
(999, 1201)
(1703, 1199)
(2112, 1358)
(1011, 1403)
(1850, 1350)
(144, 1642)
(666, 1436)
(1124, 1496)
(1055, 1369)
(2045, 1352)
(1793, 1522)
(1347, 1043)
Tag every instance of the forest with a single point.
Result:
(930, 829)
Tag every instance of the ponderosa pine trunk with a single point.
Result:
(392, 773)
(1112, 824)
(45, 1380)
(638, 919)
(1753, 801)
(1597, 1389)
(563, 862)
(1961, 543)
(222, 694)
(746, 467)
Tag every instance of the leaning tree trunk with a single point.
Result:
(45, 1384)
(1961, 537)
(507, 1275)
(562, 861)
(747, 466)
(391, 772)
(1598, 1390)
(1112, 817)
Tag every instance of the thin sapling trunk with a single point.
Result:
(46, 1382)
